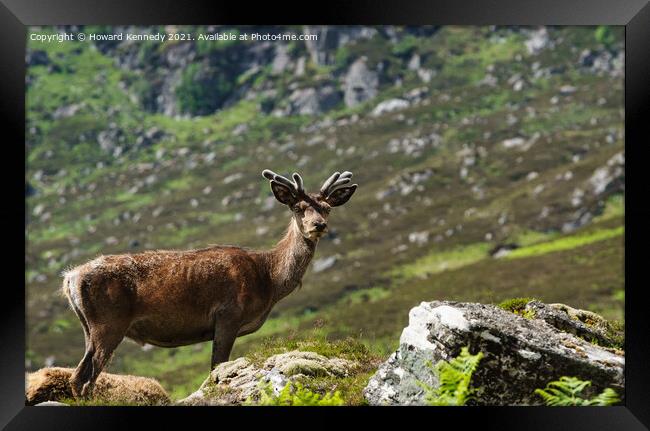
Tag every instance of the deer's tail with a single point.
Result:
(70, 288)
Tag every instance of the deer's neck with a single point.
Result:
(289, 260)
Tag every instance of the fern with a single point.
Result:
(295, 395)
(566, 392)
(454, 379)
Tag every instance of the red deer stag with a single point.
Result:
(219, 293)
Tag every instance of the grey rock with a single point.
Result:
(324, 263)
(312, 101)
(603, 62)
(67, 110)
(389, 106)
(238, 381)
(419, 238)
(330, 38)
(537, 41)
(578, 219)
(51, 404)
(360, 83)
(566, 90)
(110, 139)
(520, 355)
(406, 183)
(149, 137)
(582, 323)
(281, 60)
(610, 176)
(414, 62)
(426, 74)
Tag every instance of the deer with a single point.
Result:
(171, 298)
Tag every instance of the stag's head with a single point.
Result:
(311, 210)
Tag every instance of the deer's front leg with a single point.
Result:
(226, 328)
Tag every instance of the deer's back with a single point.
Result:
(181, 283)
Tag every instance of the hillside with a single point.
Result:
(489, 161)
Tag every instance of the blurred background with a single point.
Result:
(490, 164)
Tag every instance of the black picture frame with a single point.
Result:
(16, 15)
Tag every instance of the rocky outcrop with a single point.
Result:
(52, 384)
(389, 106)
(360, 83)
(239, 381)
(520, 354)
(313, 101)
(329, 38)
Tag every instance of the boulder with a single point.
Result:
(537, 41)
(236, 382)
(312, 101)
(582, 323)
(360, 83)
(520, 355)
(389, 106)
(609, 177)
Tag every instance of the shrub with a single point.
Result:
(406, 46)
(342, 58)
(604, 35)
(202, 90)
(566, 392)
(454, 380)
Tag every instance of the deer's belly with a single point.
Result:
(167, 334)
(253, 325)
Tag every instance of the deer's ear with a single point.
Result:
(283, 193)
(340, 196)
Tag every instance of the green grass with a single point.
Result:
(314, 341)
(436, 262)
(614, 207)
(566, 243)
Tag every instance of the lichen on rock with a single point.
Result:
(520, 355)
(240, 381)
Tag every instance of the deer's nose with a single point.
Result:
(320, 226)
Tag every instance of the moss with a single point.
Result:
(518, 307)
(616, 332)
(515, 304)
(348, 348)
(217, 391)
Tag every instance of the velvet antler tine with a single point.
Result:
(326, 185)
(268, 174)
(346, 174)
(338, 183)
(272, 176)
(297, 179)
(333, 190)
(287, 182)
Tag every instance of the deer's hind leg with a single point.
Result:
(104, 339)
(83, 370)
(106, 317)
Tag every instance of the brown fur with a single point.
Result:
(176, 298)
(53, 384)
